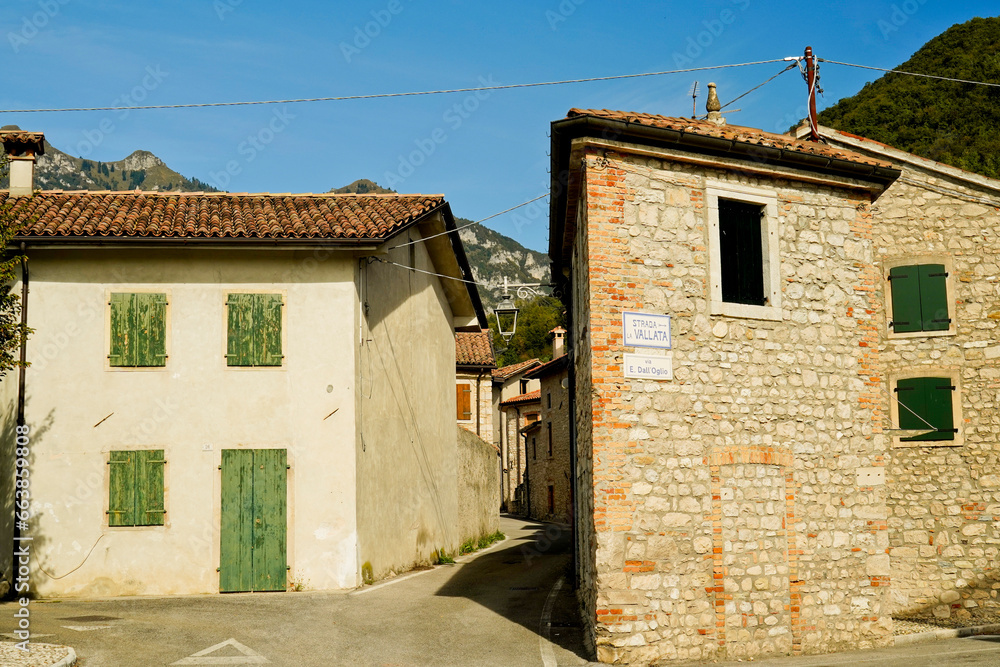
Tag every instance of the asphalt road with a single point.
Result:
(511, 605)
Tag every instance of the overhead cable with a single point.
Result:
(926, 76)
(408, 94)
(489, 217)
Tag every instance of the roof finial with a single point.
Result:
(714, 107)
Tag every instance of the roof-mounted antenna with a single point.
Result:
(694, 100)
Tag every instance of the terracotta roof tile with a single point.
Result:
(506, 372)
(745, 135)
(474, 348)
(219, 215)
(530, 397)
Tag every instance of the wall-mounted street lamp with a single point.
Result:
(506, 311)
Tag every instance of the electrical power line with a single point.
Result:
(384, 95)
(489, 217)
(760, 85)
(897, 71)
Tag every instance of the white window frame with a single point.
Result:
(949, 372)
(916, 260)
(770, 239)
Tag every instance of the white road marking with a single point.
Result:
(545, 626)
(248, 657)
(86, 628)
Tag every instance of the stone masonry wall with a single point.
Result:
(727, 520)
(545, 470)
(944, 501)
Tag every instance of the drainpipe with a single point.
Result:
(20, 407)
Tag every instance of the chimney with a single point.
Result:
(21, 148)
(714, 107)
(558, 342)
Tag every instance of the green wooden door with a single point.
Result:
(254, 520)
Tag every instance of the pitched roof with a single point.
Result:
(181, 215)
(507, 372)
(530, 397)
(474, 348)
(557, 365)
(737, 133)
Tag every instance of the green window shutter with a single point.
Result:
(933, 297)
(150, 329)
(905, 284)
(931, 401)
(121, 338)
(267, 339)
(121, 501)
(239, 350)
(149, 487)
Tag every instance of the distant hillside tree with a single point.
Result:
(946, 121)
(537, 317)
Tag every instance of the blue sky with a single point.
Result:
(483, 153)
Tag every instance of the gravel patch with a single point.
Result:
(37, 655)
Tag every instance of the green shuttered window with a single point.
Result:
(254, 330)
(926, 403)
(136, 488)
(138, 329)
(919, 298)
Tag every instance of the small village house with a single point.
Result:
(475, 362)
(234, 392)
(729, 487)
(516, 405)
(548, 455)
(936, 241)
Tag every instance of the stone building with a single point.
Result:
(548, 456)
(937, 229)
(474, 366)
(512, 395)
(727, 487)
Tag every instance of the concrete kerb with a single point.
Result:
(458, 561)
(68, 661)
(947, 633)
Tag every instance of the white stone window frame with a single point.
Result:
(949, 282)
(950, 372)
(770, 246)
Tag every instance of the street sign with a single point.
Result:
(646, 330)
(648, 367)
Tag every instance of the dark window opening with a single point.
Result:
(742, 253)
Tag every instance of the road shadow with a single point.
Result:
(517, 583)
